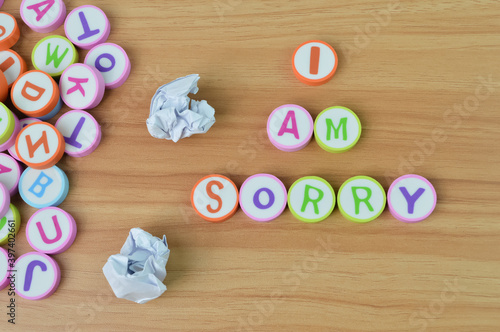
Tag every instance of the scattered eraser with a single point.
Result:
(43, 188)
(37, 277)
(7, 125)
(82, 87)
(12, 65)
(51, 230)
(9, 225)
(40, 145)
(36, 94)
(411, 198)
(4, 266)
(314, 62)
(22, 123)
(361, 199)
(4, 87)
(290, 128)
(263, 197)
(43, 16)
(81, 132)
(9, 31)
(337, 129)
(10, 173)
(4, 199)
(311, 199)
(112, 62)
(53, 54)
(215, 198)
(87, 26)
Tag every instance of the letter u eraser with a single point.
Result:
(40, 145)
(12, 65)
(38, 276)
(411, 198)
(215, 198)
(9, 31)
(290, 128)
(51, 230)
(82, 87)
(311, 199)
(43, 16)
(361, 199)
(314, 62)
(87, 26)
(36, 94)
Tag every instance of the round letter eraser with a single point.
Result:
(112, 62)
(40, 145)
(263, 197)
(314, 62)
(36, 94)
(4, 87)
(361, 199)
(9, 31)
(43, 188)
(215, 198)
(290, 128)
(51, 230)
(12, 65)
(82, 87)
(43, 16)
(311, 199)
(10, 173)
(38, 276)
(4, 268)
(9, 225)
(87, 26)
(411, 198)
(22, 123)
(7, 125)
(53, 54)
(337, 129)
(81, 132)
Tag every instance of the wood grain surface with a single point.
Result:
(424, 78)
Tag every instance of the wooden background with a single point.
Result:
(403, 74)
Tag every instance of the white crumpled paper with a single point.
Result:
(138, 271)
(172, 117)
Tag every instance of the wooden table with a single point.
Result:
(411, 71)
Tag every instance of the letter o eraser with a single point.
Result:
(10, 221)
(82, 87)
(10, 173)
(4, 265)
(36, 94)
(21, 124)
(40, 145)
(81, 132)
(112, 62)
(263, 197)
(9, 31)
(43, 16)
(314, 62)
(87, 26)
(43, 188)
(411, 198)
(337, 129)
(4, 87)
(361, 199)
(51, 230)
(53, 54)
(290, 128)
(215, 198)
(12, 65)
(311, 199)
(38, 276)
